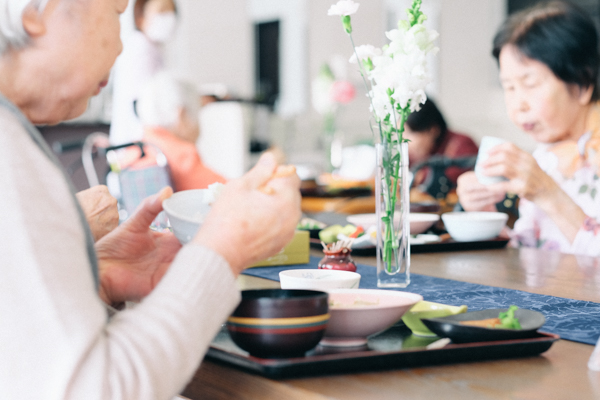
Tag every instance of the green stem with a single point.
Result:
(363, 74)
(391, 180)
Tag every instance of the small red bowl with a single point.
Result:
(277, 323)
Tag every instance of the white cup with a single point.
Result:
(487, 143)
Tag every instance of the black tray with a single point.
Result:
(395, 348)
(447, 245)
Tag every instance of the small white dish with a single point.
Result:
(425, 238)
(318, 279)
(473, 226)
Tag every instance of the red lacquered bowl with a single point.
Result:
(277, 323)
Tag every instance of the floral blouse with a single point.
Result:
(575, 166)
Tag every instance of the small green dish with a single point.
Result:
(427, 309)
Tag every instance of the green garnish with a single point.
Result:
(508, 319)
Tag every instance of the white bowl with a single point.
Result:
(471, 226)
(356, 314)
(186, 211)
(318, 279)
(419, 222)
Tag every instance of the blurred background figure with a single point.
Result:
(431, 141)
(155, 22)
(168, 111)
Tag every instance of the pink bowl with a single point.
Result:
(358, 313)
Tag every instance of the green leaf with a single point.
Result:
(583, 189)
(593, 193)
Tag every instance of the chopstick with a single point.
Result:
(282, 171)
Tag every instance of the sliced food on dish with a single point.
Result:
(467, 327)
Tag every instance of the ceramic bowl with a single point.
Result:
(427, 309)
(472, 226)
(419, 222)
(276, 323)
(359, 313)
(318, 279)
(186, 211)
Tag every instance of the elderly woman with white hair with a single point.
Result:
(56, 338)
(168, 110)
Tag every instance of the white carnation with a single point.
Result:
(343, 7)
(364, 52)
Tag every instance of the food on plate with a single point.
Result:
(213, 192)
(505, 320)
(357, 233)
(358, 302)
(330, 234)
(310, 224)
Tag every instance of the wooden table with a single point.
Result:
(559, 373)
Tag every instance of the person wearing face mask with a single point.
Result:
(155, 22)
(549, 60)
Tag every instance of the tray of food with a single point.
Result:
(286, 333)
(442, 244)
(395, 348)
(461, 231)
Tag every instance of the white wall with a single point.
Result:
(214, 44)
(469, 90)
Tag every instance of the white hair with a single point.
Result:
(162, 99)
(12, 33)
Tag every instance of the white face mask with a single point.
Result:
(161, 27)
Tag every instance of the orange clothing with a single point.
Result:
(185, 166)
(187, 170)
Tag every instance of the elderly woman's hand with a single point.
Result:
(474, 196)
(525, 177)
(100, 209)
(255, 216)
(133, 258)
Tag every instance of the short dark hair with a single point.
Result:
(429, 116)
(558, 34)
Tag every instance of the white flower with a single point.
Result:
(365, 51)
(343, 8)
(402, 69)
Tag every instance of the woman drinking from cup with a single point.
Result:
(56, 338)
(548, 58)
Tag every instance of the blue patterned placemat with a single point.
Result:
(574, 320)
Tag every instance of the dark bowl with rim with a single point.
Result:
(279, 323)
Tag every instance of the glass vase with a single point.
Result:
(392, 208)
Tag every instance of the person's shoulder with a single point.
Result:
(459, 145)
(12, 128)
(462, 138)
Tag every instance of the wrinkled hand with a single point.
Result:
(475, 196)
(525, 177)
(255, 216)
(132, 259)
(100, 210)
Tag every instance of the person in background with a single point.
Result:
(168, 110)
(57, 337)
(155, 22)
(429, 136)
(548, 58)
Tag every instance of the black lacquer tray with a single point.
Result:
(435, 247)
(395, 348)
